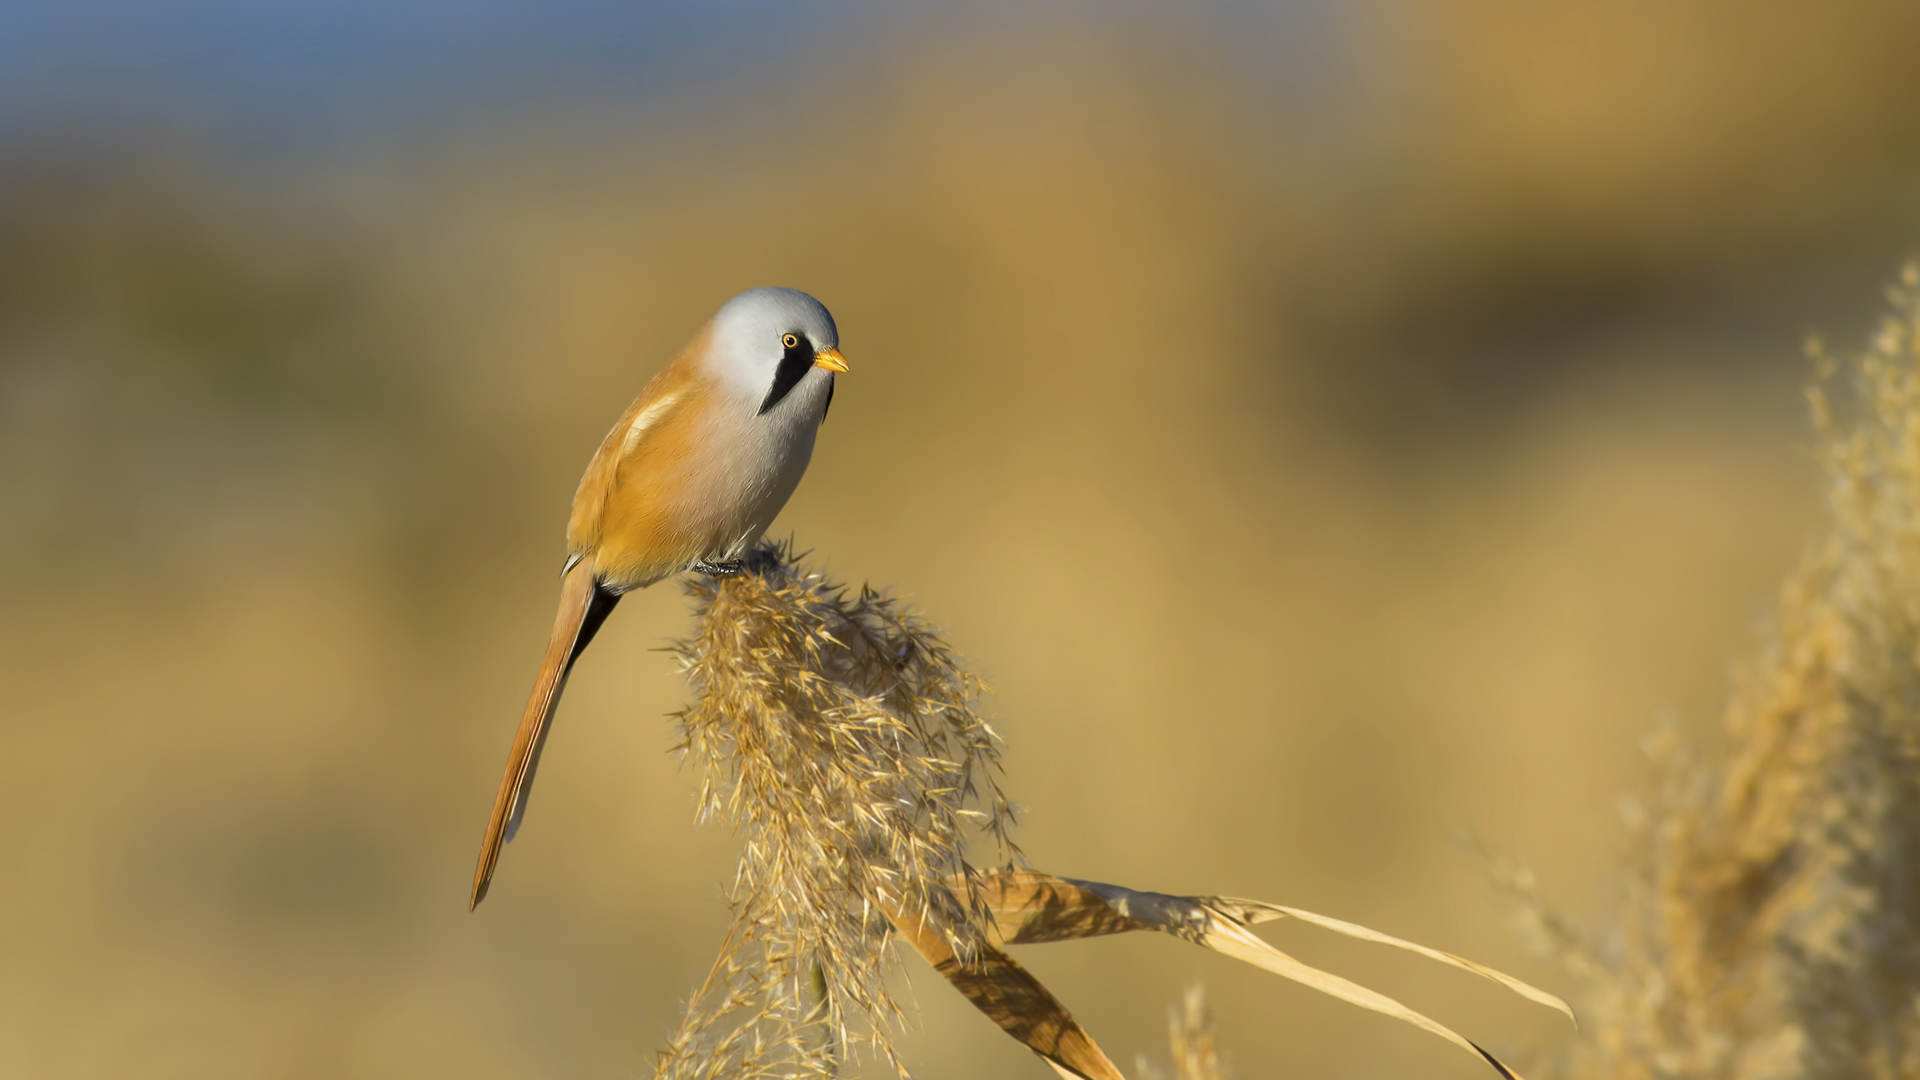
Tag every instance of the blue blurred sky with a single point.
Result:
(305, 72)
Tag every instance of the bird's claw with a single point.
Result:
(730, 568)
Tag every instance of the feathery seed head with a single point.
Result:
(837, 734)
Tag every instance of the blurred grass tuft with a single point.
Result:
(1772, 926)
(1190, 1038)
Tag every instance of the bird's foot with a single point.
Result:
(730, 568)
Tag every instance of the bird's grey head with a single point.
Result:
(765, 341)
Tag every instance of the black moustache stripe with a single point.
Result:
(793, 368)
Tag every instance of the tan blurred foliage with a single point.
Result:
(1769, 928)
(1312, 487)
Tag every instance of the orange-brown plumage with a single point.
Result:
(629, 518)
(576, 597)
(690, 476)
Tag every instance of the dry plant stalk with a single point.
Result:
(1772, 926)
(837, 735)
(1190, 1034)
(1190, 1038)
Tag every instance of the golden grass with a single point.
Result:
(1772, 924)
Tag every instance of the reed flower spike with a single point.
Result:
(837, 734)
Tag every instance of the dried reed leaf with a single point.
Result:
(1013, 999)
(1254, 911)
(1030, 907)
(1229, 938)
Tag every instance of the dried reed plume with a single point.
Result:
(838, 736)
(1772, 928)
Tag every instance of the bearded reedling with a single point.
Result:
(689, 479)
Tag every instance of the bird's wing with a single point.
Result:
(656, 420)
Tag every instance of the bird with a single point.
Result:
(689, 479)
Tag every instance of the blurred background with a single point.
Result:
(1331, 426)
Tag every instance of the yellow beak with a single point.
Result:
(830, 359)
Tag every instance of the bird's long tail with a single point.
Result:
(584, 605)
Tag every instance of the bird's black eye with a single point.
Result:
(789, 341)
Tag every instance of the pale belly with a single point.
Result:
(712, 505)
